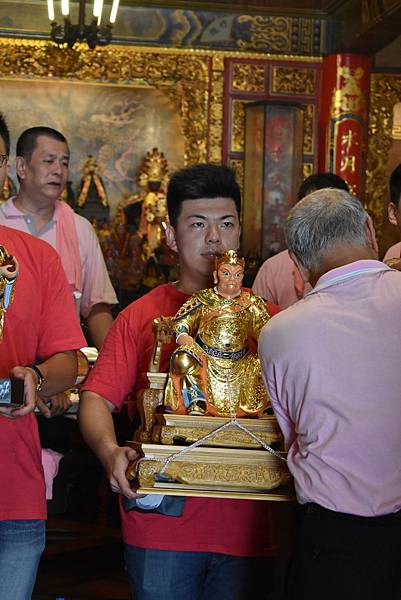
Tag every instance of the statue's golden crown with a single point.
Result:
(231, 257)
(154, 167)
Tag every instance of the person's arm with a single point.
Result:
(97, 429)
(99, 322)
(59, 373)
(263, 283)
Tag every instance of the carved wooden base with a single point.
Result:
(213, 472)
(185, 429)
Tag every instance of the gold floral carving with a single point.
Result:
(307, 169)
(216, 111)
(237, 141)
(385, 92)
(183, 77)
(248, 77)
(234, 438)
(309, 117)
(288, 80)
(237, 164)
(255, 476)
(272, 33)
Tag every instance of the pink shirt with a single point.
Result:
(96, 284)
(393, 252)
(331, 364)
(275, 281)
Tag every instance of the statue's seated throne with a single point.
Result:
(232, 462)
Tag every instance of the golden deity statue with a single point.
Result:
(9, 269)
(213, 372)
(147, 211)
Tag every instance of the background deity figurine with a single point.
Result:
(92, 200)
(8, 275)
(145, 212)
(213, 371)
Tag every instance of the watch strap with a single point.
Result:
(39, 376)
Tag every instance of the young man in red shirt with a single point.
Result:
(40, 335)
(217, 548)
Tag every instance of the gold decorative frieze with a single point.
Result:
(184, 78)
(309, 117)
(247, 77)
(290, 80)
(237, 138)
(267, 32)
(385, 93)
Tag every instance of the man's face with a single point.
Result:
(3, 168)
(394, 214)
(206, 228)
(44, 176)
(229, 279)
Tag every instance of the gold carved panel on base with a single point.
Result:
(189, 429)
(214, 472)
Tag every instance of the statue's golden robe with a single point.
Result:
(225, 368)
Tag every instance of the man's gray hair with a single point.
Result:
(322, 220)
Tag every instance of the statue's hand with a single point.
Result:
(185, 340)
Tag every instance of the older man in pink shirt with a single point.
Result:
(278, 279)
(331, 364)
(42, 169)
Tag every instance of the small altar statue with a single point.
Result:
(9, 269)
(145, 213)
(213, 371)
(92, 200)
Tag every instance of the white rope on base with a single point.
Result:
(233, 422)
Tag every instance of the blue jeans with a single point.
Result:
(21, 545)
(170, 575)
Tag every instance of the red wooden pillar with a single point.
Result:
(344, 112)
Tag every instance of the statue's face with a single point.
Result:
(229, 279)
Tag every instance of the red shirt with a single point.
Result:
(235, 527)
(40, 322)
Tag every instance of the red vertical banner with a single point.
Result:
(344, 114)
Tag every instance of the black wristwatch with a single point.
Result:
(39, 376)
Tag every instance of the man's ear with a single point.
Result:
(171, 240)
(371, 235)
(215, 279)
(20, 166)
(305, 273)
(392, 212)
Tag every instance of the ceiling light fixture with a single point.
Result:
(95, 33)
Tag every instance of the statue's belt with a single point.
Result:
(210, 351)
